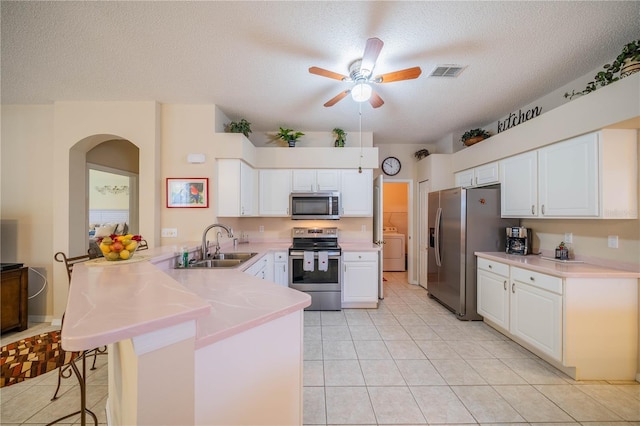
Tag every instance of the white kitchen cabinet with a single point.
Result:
(316, 180)
(356, 192)
(263, 268)
(360, 279)
(281, 268)
(487, 174)
(589, 176)
(536, 310)
(493, 292)
(519, 188)
(236, 183)
(275, 188)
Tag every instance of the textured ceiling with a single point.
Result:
(252, 58)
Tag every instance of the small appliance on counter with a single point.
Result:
(518, 240)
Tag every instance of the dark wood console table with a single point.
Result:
(13, 297)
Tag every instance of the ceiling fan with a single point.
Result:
(361, 74)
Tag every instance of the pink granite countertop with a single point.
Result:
(120, 300)
(559, 269)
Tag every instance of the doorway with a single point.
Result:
(397, 220)
(112, 198)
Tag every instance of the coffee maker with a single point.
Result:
(518, 240)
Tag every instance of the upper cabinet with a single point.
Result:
(487, 174)
(275, 188)
(316, 180)
(356, 192)
(590, 176)
(236, 188)
(436, 169)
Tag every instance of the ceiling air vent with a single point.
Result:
(447, 71)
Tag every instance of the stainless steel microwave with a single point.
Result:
(315, 205)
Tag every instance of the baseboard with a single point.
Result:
(57, 322)
(41, 318)
(638, 377)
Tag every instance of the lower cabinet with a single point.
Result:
(13, 295)
(360, 279)
(262, 268)
(587, 327)
(281, 268)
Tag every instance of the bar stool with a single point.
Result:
(36, 355)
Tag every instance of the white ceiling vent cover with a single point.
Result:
(447, 71)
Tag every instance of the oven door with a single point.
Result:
(314, 280)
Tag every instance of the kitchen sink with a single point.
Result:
(222, 260)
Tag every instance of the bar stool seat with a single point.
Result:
(40, 354)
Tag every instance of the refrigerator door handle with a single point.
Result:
(437, 248)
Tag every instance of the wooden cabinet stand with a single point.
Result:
(13, 296)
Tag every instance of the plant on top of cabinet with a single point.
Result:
(341, 137)
(289, 135)
(626, 63)
(473, 136)
(421, 153)
(242, 126)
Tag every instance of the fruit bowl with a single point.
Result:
(119, 247)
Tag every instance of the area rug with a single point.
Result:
(31, 357)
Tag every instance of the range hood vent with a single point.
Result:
(447, 70)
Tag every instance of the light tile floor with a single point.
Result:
(408, 362)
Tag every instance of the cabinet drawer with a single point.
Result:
(280, 256)
(536, 279)
(493, 266)
(360, 256)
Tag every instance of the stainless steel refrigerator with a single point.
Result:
(461, 222)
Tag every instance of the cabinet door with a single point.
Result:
(247, 190)
(275, 188)
(360, 282)
(280, 269)
(229, 187)
(493, 298)
(569, 178)
(327, 180)
(487, 174)
(357, 193)
(464, 179)
(304, 180)
(536, 317)
(519, 189)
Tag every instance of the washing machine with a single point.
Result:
(393, 250)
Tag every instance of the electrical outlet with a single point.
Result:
(261, 228)
(568, 237)
(169, 232)
(612, 241)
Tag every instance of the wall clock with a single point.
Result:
(391, 166)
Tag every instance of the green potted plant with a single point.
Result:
(289, 135)
(341, 137)
(626, 63)
(473, 136)
(242, 126)
(421, 153)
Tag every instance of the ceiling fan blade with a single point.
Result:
(406, 74)
(337, 98)
(326, 73)
(371, 52)
(375, 100)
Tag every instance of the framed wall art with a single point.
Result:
(188, 192)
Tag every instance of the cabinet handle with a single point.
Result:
(532, 279)
(543, 209)
(471, 182)
(513, 288)
(490, 266)
(533, 209)
(505, 285)
(476, 180)
(287, 210)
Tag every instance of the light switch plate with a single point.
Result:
(568, 237)
(169, 232)
(612, 241)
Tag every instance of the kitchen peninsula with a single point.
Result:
(580, 317)
(190, 346)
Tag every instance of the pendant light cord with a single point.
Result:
(360, 121)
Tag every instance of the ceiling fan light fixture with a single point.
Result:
(361, 92)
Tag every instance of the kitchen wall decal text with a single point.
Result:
(514, 119)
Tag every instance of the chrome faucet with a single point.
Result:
(205, 244)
